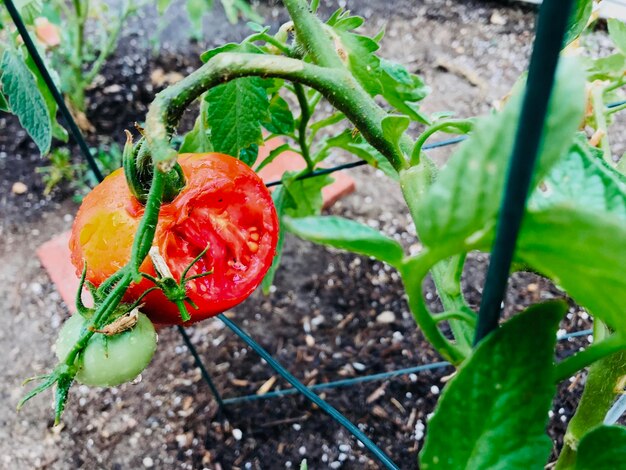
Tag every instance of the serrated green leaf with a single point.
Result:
(578, 19)
(358, 51)
(249, 154)
(493, 413)
(379, 76)
(464, 200)
(257, 28)
(607, 68)
(304, 197)
(362, 149)
(604, 448)
(25, 99)
(58, 132)
(230, 47)
(574, 232)
(584, 181)
(347, 234)
(236, 111)
(402, 89)
(394, 126)
(341, 20)
(617, 31)
(280, 118)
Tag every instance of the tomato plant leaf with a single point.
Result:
(347, 234)
(604, 448)
(280, 119)
(257, 28)
(342, 21)
(578, 19)
(230, 47)
(58, 132)
(402, 89)
(585, 200)
(465, 198)
(607, 68)
(25, 99)
(588, 264)
(249, 154)
(584, 181)
(304, 197)
(393, 127)
(236, 110)
(617, 31)
(493, 413)
(378, 76)
(358, 146)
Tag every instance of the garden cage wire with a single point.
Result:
(550, 30)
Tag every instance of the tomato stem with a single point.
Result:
(337, 85)
(305, 115)
(413, 272)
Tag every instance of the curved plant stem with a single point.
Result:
(413, 273)
(305, 115)
(337, 85)
(284, 48)
(568, 367)
(596, 400)
(456, 315)
(319, 44)
(599, 392)
(424, 136)
(597, 100)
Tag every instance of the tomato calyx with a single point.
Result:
(175, 291)
(138, 172)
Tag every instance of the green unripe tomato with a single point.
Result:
(109, 360)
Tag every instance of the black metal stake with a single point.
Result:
(203, 370)
(311, 396)
(551, 26)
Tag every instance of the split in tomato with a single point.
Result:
(224, 206)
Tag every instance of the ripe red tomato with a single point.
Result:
(224, 205)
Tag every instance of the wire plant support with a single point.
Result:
(551, 26)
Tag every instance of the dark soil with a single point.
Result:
(320, 321)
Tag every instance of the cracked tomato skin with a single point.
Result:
(224, 205)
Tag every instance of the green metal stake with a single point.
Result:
(295, 383)
(551, 25)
